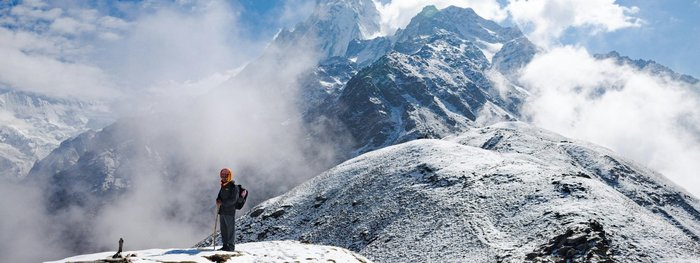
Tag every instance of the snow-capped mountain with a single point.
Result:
(333, 24)
(504, 193)
(268, 252)
(33, 125)
(435, 81)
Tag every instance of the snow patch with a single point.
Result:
(272, 251)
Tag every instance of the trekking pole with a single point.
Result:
(213, 236)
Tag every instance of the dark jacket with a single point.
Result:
(228, 195)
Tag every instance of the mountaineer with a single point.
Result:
(230, 198)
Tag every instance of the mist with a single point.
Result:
(189, 102)
(650, 118)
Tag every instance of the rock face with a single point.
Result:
(508, 192)
(584, 243)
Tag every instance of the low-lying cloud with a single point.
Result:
(652, 119)
(28, 234)
(175, 62)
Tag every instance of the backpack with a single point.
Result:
(242, 196)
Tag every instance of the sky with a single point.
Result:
(141, 55)
(669, 31)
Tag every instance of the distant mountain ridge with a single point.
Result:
(647, 65)
(33, 125)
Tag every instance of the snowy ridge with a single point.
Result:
(273, 251)
(508, 192)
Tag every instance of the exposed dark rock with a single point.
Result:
(257, 211)
(586, 242)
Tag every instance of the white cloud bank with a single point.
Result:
(544, 21)
(651, 119)
(77, 50)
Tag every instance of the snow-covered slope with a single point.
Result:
(508, 192)
(32, 125)
(274, 251)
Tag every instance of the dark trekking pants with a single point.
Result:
(228, 231)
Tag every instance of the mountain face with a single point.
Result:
(94, 167)
(433, 82)
(33, 125)
(504, 193)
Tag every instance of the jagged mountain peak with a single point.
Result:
(463, 21)
(333, 24)
(457, 22)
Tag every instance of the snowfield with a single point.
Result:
(509, 192)
(273, 251)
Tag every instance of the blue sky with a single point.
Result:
(669, 35)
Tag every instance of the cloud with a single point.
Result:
(294, 11)
(397, 14)
(29, 65)
(177, 59)
(44, 50)
(651, 119)
(544, 21)
(76, 50)
(174, 44)
(167, 56)
(27, 233)
(71, 26)
(250, 123)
